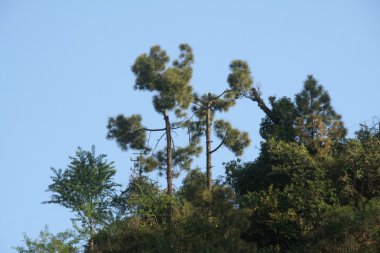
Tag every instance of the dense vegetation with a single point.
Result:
(311, 189)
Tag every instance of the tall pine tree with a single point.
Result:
(172, 93)
(317, 126)
(206, 105)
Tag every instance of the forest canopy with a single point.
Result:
(311, 188)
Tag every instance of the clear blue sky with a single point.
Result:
(65, 68)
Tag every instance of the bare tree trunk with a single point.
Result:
(255, 96)
(91, 237)
(208, 144)
(169, 154)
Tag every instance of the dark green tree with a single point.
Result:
(193, 186)
(173, 93)
(317, 126)
(356, 171)
(86, 188)
(138, 198)
(347, 229)
(280, 122)
(310, 120)
(205, 107)
(287, 191)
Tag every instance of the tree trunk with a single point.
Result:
(255, 96)
(169, 154)
(208, 144)
(91, 237)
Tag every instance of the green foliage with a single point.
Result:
(148, 68)
(182, 159)
(137, 197)
(348, 229)
(293, 196)
(171, 83)
(172, 93)
(212, 225)
(309, 190)
(240, 79)
(216, 104)
(205, 107)
(356, 170)
(368, 132)
(150, 163)
(193, 186)
(127, 131)
(63, 242)
(288, 163)
(145, 227)
(182, 156)
(279, 164)
(86, 188)
(317, 125)
(309, 120)
(235, 140)
(280, 124)
(246, 177)
(144, 200)
(274, 222)
(286, 190)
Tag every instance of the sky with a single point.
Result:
(65, 68)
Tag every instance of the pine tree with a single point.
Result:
(317, 126)
(173, 93)
(309, 120)
(205, 107)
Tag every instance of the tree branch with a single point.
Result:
(224, 92)
(156, 129)
(212, 99)
(150, 129)
(221, 143)
(254, 95)
(200, 105)
(158, 141)
(173, 145)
